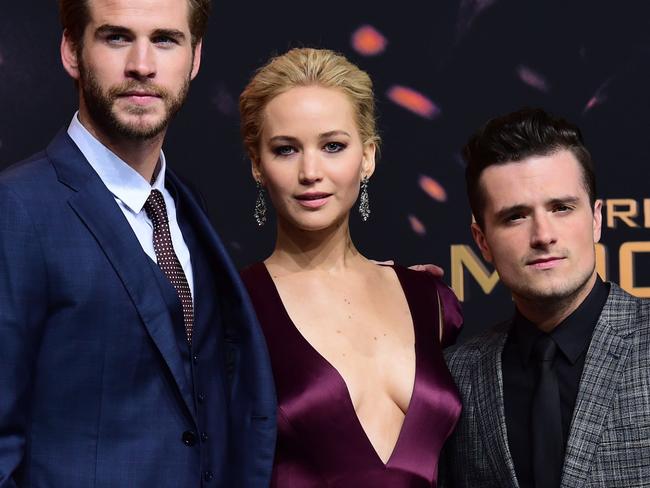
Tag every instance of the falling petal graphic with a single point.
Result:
(593, 101)
(460, 161)
(368, 41)
(417, 226)
(582, 52)
(468, 12)
(413, 101)
(599, 97)
(224, 101)
(432, 188)
(532, 78)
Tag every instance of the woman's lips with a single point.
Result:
(313, 200)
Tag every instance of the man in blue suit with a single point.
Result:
(129, 352)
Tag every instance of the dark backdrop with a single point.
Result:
(464, 60)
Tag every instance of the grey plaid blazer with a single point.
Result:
(609, 440)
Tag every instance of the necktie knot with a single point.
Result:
(544, 349)
(155, 208)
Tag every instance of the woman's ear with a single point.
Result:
(368, 161)
(256, 171)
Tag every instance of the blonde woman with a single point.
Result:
(364, 396)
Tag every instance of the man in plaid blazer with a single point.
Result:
(531, 186)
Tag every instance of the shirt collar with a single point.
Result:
(125, 183)
(573, 334)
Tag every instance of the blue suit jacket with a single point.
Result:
(93, 388)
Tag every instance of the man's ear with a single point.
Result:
(481, 242)
(196, 60)
(598, 219)
(69, 57)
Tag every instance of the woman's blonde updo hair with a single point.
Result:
(305, 67)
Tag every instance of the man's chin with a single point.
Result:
(549, 292)
(139, 127)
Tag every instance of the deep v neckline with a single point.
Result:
(394, 455)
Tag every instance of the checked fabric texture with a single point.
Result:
(167, 260)
(608, 443)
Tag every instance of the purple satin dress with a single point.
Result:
(320, 440)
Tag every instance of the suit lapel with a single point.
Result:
(201, 223)
(488, 384)
(603, 370)
(236, 301)
(248, 364)
(96, 207)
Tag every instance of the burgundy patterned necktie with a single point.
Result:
(167, 260)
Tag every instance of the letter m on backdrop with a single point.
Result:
(463, 258)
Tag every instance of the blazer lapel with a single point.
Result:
(202, 224)
(96, 207)
(241, 328)
(237, 301)
(488, 384)
(603, 370)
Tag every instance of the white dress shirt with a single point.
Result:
(131, 191)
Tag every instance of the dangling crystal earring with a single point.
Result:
(364, 202)
(260, 205)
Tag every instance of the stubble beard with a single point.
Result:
(552, 297)
(100, 104)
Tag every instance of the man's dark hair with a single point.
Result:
(515, 137)
(75, 16)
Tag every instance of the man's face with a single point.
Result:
(134, 66)
(539, 228)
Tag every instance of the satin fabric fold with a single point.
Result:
(320, 439)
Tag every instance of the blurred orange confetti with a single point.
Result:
(413, 101)
(432, 188)
(368, 41)
(417, 225)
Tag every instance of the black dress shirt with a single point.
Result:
(572, 337)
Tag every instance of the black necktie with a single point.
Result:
(167, 260)
(546, 418)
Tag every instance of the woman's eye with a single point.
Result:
(283, 150)
(333, 147)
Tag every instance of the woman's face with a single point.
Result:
(312, 158)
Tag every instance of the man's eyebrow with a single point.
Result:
(172, 33)
(521, 208)
(513, 209)
(118, 29)
(563, 200)
(112, 29)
